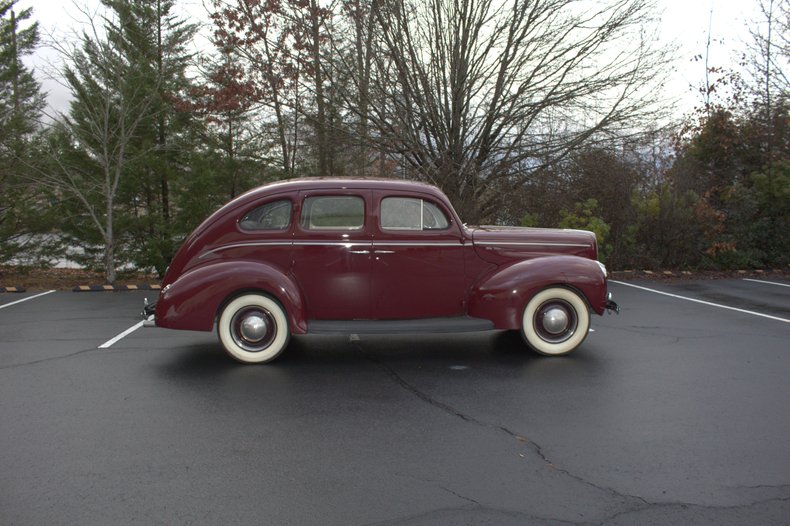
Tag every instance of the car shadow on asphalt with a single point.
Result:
(478, 350)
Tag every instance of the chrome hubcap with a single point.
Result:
(253, 328)
(555, 320)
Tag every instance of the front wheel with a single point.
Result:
(555, 321)
(253, 329)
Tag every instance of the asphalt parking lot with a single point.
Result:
(677, 411)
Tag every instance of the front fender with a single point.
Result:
(193, 300)
(502, 295)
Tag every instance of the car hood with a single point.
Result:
(501, 244)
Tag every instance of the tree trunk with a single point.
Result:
(162, 138)
(109, 245)
(318, 79)
(15, 66)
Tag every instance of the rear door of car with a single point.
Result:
(332, 253)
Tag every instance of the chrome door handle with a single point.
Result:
(383, 251)
(360, 251)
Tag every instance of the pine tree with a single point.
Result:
(92, 147)
(21, 103)
(153, 41)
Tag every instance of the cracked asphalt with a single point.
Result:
(673, 412)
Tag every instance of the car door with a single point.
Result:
(332, 253)
(418, 259)
(267, 229)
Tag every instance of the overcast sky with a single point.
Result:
(684, 22)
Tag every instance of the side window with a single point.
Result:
(271, 216)
(433, 218)
(341, 212)
(408, 213)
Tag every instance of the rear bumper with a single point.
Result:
(148, 309)
(149, 314)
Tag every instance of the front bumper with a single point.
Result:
(611, 305)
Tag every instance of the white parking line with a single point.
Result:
(124, 334)
(26, 299)
(703, 302)
(766, 282)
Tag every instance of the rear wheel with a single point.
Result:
(555, 321)
(253, 329)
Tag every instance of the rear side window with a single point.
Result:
(271, 216)
(341, 212)
(408, 213)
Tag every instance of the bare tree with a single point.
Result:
(769, 50)
(257, 35)
(768, 62)
(283, 46)
(475, 95)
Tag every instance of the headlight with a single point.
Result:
(603, 268)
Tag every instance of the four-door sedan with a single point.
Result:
(375, 256)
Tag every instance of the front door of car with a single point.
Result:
(332, 253)
(418, 259)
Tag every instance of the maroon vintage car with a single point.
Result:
(374, 256)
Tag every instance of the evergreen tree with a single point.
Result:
(153, 41)
(92, 147)
(21, 103)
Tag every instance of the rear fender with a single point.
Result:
(193, 300)
(502, 295)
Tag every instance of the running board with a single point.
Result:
(434, 325)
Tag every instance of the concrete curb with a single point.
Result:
(12, 289)
(114, 288)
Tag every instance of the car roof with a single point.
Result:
(337, 183)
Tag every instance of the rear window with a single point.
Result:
(271, 216)
(341, 212)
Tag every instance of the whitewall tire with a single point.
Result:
(555, 321)
(253, 329)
